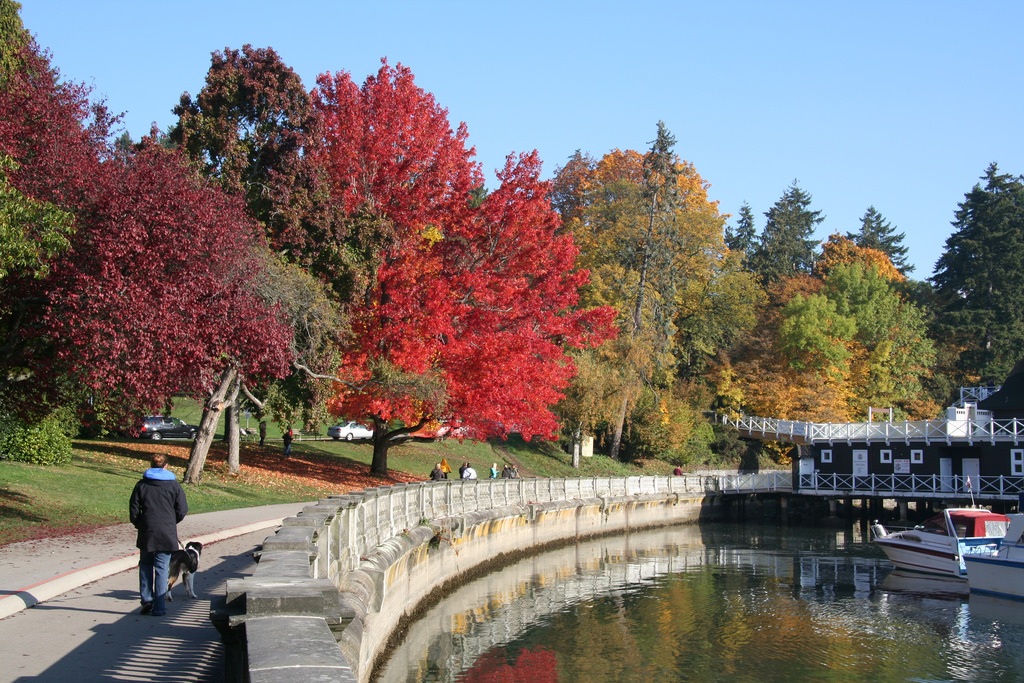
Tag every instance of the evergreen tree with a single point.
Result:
(744, 237)
(13, 39)
(979, 281)
(878, 233)
(785, 247)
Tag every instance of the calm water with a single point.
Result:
(713, 603)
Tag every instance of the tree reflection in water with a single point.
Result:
(709, 602)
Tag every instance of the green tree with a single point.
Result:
(814, 335)
(878, 233)
(31, 232)
(13, 39)
(892, 355)
(743, 238)
(785, 246)
(980, 283)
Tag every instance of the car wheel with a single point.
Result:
(156, 436)
(348, 437)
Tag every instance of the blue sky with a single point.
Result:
(898, 104)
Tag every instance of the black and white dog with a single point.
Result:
(184, 563)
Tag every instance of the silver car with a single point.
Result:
(350, 431)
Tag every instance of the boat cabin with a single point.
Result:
(969, 523)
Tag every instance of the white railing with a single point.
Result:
(949, 431)
(382, 513)
(909, 485)
(975, 394)
(761, 482)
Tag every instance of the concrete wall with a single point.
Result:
(335, 582)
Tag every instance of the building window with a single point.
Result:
(916, 456)
(1017, 461)
(826, 456)
(886, 456)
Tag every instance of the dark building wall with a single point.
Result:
(994, 460)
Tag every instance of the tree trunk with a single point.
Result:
(577, 446)
(211, 414)
(231, 428)
(379, 464)
(228, 409)
(613, 451)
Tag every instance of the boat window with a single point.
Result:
(995, 528)
(935, 525)
(961, 529)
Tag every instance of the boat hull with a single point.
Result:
(997, 575)
(918, 556)
(940, 544)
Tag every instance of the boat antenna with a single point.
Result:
(970, 489)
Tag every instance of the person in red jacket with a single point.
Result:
(156, 506)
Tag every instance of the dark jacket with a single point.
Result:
(155, 508)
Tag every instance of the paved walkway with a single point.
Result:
(69, 605)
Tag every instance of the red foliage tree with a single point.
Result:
(154, 296)
(473, 302)
(48, 131)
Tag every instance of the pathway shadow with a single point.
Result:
(181, 646)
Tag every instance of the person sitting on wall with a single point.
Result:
(468, 472)
(437, 474)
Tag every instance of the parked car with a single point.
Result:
(158, 427)
(350, 431)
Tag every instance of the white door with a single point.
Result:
(972, 474)
(860, 463)
(807, 472)
(946, 474)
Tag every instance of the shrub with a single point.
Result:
(43, 443)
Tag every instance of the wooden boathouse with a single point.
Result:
(974, 454)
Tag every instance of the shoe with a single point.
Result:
(147, 607)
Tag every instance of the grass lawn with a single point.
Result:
(42, 501)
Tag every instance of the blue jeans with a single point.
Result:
(153, 570)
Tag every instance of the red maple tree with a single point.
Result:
(154, 296)
(472, 305)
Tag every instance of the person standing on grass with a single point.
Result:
(288, 437)
(156, 506)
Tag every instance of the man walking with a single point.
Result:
(156, 506)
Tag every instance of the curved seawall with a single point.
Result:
(334, 584)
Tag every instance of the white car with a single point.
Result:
(350, 431)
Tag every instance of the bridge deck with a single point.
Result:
(927, 431)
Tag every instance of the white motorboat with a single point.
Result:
(939, 545)
(1001, 574)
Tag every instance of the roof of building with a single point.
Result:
(1010, 396)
